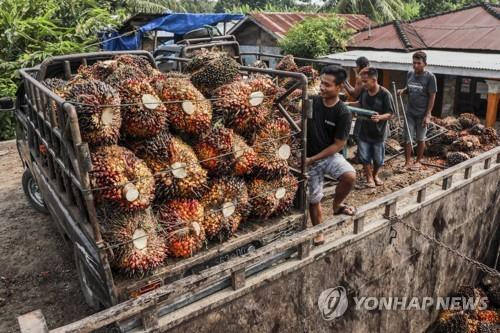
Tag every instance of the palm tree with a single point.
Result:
(378, 10)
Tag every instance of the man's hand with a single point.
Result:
(309, 161)
(401, 91)
(376, 118)
(427, 120)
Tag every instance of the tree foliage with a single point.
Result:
(314, 37)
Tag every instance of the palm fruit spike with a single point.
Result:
(226, 205)
(468, 120)
(137, 247)
(287, 64)
(489, 136)
(144, 115)
(273, 147)
(98, 107)
(97, 71)
(466, 143)
(268, 198)
(241, 107)
(177, 170)
(182, 220)
(121, 179)
(212, 69)
(191, 113)
(222, 151)
(136, 61)
(452, 321)
(456, 157)
(123, 73)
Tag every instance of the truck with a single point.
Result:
(56, 181)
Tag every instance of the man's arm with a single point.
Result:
(431, 90)
(328, 151)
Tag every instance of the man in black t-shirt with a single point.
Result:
(373, 131)
(327, 133)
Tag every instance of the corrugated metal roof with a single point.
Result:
(472, 28)
(278, 24)
(440, 62)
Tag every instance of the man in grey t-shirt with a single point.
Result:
(421, 88)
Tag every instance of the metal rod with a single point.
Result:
(396, 104)
(407, 127)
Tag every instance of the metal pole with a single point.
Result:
(406, 122)
(396, 102)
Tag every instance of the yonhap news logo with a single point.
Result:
(333, 303)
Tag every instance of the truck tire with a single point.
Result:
(32, 192)
(90, 297)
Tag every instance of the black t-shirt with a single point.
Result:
(327, 124)
(382, 103)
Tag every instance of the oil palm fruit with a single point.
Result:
(135, 61)
(177, 170)
(456, 157)
(273, 197)
(120, 179)
(489, 136)
(222, 151)
(466, 143)
(226, 205)
(144, 115)
(468, 120)
(188, 111)
(182, 220)
(272, 145)
(212, 69)
(287, 63)
(137, 246)
(97, 105)
(452, 321)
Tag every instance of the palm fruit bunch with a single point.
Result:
(144, 115)
(122, 73)
(265, 85)
(489, 316)
(121, 179)
(100, 70)
(212, 69)
(436, 150)
(222, 151)
(268, 198)
(468, 120)
(56, 85)
(452, 322)
(226, 205)
(466, 143)
(259, 64)
(456, 157)
(191, 113)
(450, 123)
(182, 220)
(470, 293)
(135, 61)
(292, 103)
(489, 136)
(287, 63)
(309, 72)
(98, 107)
(273, 147)
(449, 137)
(137, 246)
(492, 286)
(485, 327)
(175, 165)
(241, 106)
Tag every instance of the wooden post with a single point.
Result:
(421, 195)
(386, 79)
(359, 224)
(238, 278)
(468, 172)
(447, 182)
(390, 209)
(493, 99)
(150, 319)
(487, 163)
(304, 249)
(33, 322)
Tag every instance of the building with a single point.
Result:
(260, 32)
(463, 48)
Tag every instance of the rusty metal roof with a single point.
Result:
(475, 28)
(278, 24)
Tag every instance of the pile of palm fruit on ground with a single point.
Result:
(179, 159)
(485, 318)
(465, 138)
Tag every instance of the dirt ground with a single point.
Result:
(36, 266)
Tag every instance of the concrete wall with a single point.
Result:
(466, 219)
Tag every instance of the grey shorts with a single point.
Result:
(417, 129)
(335, 166)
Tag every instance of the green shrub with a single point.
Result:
(316, 37)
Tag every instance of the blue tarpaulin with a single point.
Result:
(175, 23)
